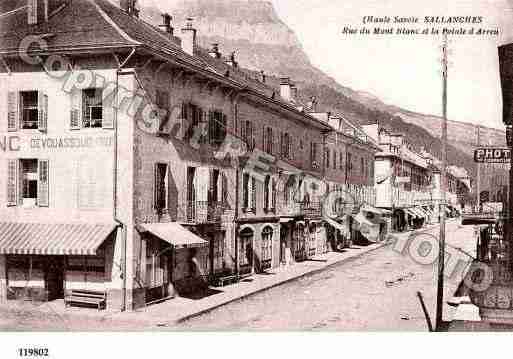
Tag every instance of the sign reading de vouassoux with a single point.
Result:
(492, 155)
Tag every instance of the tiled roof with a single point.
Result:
(77, 25)
(99, 23)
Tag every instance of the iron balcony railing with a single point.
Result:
(201, 212)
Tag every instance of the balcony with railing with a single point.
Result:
(201, 212)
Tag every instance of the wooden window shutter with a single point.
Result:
(224, 190)
(273, 193)
(43, 184)
(245, 191)
(12, 183)
(13, 111)
(42, 113)
(76, 110)
(32, 12)
(108, 112)
(253, 193)
(264, 139)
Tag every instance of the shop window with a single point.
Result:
(155, 266)
(267, 247)
(92, 107)
(161, 187)
(27, 183)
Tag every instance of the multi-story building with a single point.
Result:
(404, 182)
(139, 164)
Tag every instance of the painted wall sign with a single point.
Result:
(44, 143)
(9, 143)
(17, 143)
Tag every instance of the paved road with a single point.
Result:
(376, 292)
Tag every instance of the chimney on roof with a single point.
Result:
(189, 37)
(286, 89)
(37, 11)
(130, 6)
(166, 23)
(312, 104)
(294, 93)
(232, 61)
(214, 51)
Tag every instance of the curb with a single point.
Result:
(304, 275)
(264, 289)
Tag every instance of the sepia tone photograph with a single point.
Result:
(255, 166)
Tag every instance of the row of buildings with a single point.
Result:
(138, 164)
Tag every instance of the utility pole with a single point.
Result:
(441, 256)
(478, 169)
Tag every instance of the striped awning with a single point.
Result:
(53, 239)
(174, 234)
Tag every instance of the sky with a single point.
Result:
(406, 71)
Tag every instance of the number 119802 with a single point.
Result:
(33, 352)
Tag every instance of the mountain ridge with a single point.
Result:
(263, 42)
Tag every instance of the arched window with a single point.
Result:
(267, 247)
(246, 250)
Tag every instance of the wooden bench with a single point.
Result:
(87, 297)
(222, 281)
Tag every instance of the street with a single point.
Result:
(376, 292)
(373, 292)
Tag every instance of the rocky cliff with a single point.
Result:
(263, 42)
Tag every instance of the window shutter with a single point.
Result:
(273, 193)
(43, 184)
(264, 139)
(108, 114)
(76, 110)
(12, 182)
(42, 113)
(202, 183)
(32, 12)
(224, 189)
(245, 190)
(13, 99)
(253, 193)
(290, 153)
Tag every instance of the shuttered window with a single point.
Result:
(42, 118)
(245, 191)
(161, 187)
(43, 184)
(12, 111)
(92, 109)
(12, 182)
(28, 182)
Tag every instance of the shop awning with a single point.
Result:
(421, 212)
(412, 212)
(341, 227)
(378, 211)
(174, 234)
(53, 239)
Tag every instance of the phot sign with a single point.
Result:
(492, 155)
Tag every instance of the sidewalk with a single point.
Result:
(174, 311)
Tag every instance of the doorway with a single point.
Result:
(54, 278)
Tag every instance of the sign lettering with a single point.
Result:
(492, 155)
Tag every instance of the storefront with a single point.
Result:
(176, 261)
(44, 262)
